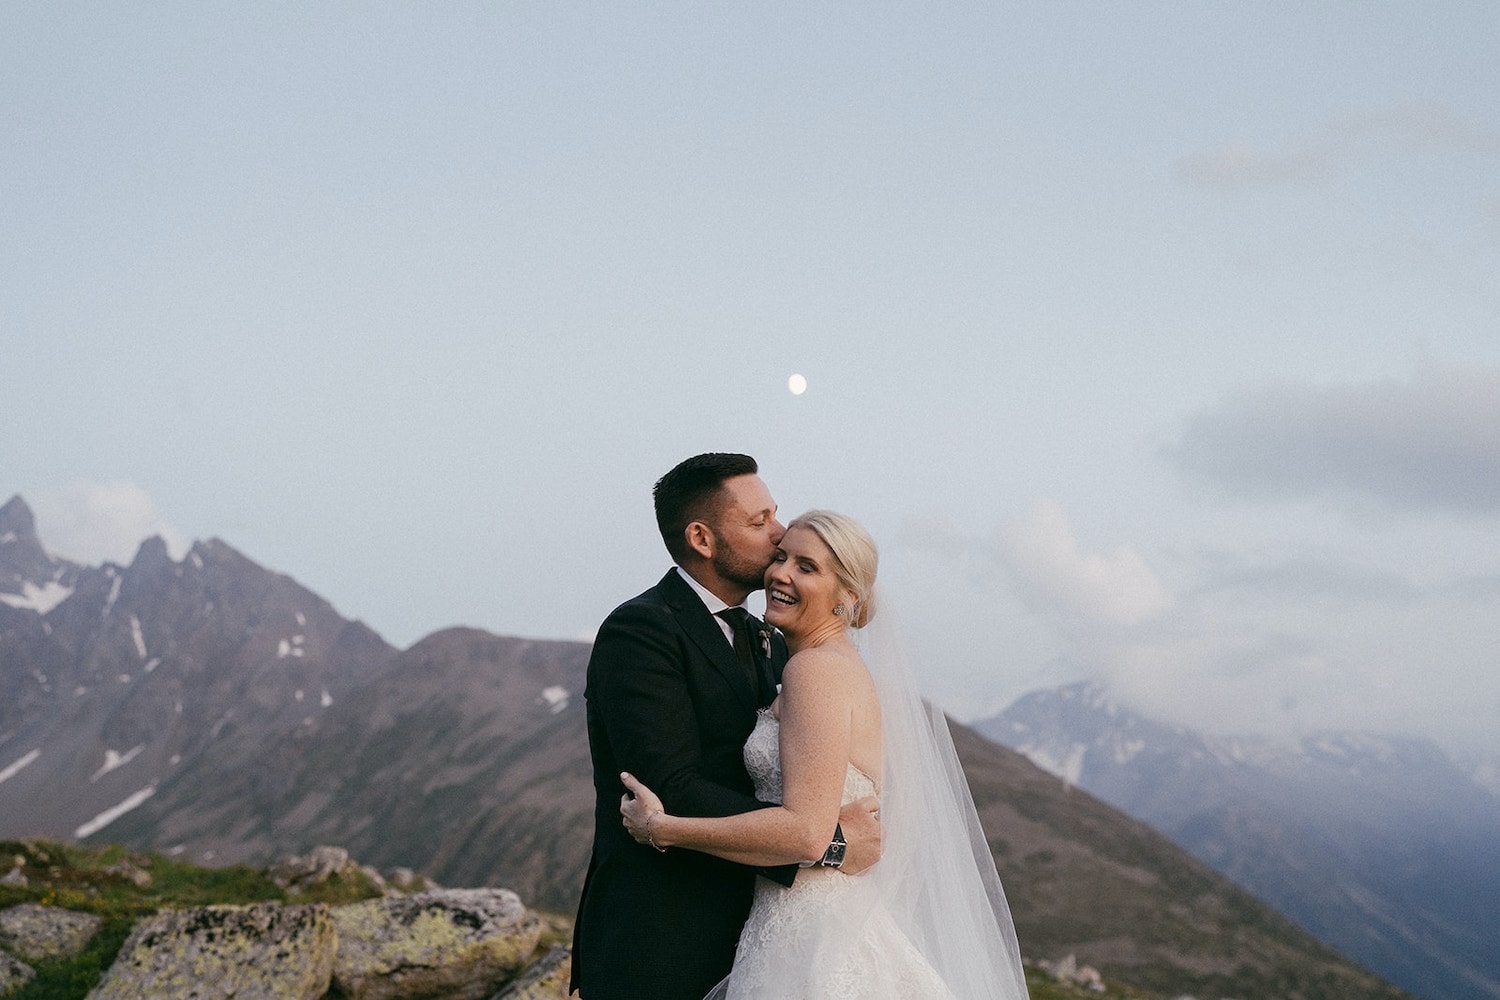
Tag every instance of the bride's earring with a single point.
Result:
(838, 609)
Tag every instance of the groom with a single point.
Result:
(672, 695)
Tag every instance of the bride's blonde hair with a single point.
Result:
(855, 558)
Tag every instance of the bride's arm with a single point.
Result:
(816, 727)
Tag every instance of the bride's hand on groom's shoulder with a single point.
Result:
(637, 806)
(860, 821)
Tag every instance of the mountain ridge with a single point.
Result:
(1382, 846)
(269, 724)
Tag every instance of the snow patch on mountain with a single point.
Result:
(15, 767)
(39, 599)
(114, 592)
(557, 697)
(1067, 765)
(135, 633)
(1126, 750)
(113, 813)
(113, 759)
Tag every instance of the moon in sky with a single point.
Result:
(796, 384)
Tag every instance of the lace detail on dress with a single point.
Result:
(763, 761)
(826, 937)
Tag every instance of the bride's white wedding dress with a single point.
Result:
(827, 937)
(929, 921)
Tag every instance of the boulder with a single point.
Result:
(36, 932)
(461, 944)
(313, 868)
(260, 952)
(15, 877)
(545, 980)
(406, 880)
(377, 880)
(14, 974)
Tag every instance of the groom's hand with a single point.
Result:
(860, 821)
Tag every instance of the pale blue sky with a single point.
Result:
(1155, 342)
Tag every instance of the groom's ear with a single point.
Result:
(700, 539)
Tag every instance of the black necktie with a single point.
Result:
(744, 647)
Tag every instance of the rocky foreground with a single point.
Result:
(112, 924)
(399, 944)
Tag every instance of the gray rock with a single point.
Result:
(458, 944)
(260, 952)
(15, 877)
(36, 932)
(406, 880)
(14, 974)
(313, 868)
(132, 873)
(376, 879)
(545, 980)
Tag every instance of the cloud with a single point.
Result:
(1277, 668)
(1040, 558)
(1288, 641)
(1313, 578)
(1054, 576)
(1408, 128)
(1423, 444)
(102, 522)
(1318, 578)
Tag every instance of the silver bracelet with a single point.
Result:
(659, 850)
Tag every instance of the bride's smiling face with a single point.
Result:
(802, 588)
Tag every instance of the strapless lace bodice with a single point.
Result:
(763, 761)
(829, 936)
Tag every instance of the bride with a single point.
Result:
(930, 919)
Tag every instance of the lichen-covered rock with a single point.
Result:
(461, 944)
(14, 974)
(36, 932)
(260, 952)
(545, 980)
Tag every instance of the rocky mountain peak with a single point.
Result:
(1352, 835)
(23, 562)
(16, 519)
(152, 557)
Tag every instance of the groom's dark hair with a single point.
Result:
(694, 491)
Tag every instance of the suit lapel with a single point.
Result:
(703, 629)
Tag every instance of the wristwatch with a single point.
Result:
(834, 856)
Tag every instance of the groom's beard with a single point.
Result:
(749, 573)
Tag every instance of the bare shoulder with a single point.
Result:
(826, 666)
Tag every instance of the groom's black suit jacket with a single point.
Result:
(669, 702)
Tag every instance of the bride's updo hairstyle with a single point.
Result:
(855, 558)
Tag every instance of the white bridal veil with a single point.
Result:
(936, 875)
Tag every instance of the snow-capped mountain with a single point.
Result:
(117, 678)
(1383, 847)
(214, 708)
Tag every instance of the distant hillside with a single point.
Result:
(1384, 848)
(216, 710)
